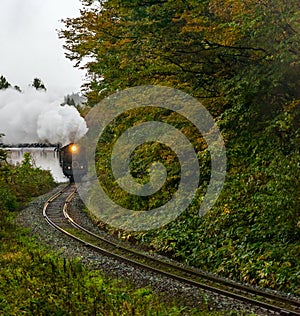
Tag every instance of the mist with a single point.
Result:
(34, 116)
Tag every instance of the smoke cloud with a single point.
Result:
(34, 116)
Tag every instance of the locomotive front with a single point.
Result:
(72, 159)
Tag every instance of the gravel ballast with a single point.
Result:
(32, 217)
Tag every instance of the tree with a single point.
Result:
(74, 99)
(18, 88)
(242, 59)
(221, 50)
(69, 101)
(3, 154)
(4, 84)
(38, 84)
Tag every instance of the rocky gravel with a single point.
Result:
(45, 234)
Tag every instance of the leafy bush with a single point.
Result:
(34, 281)
(20, 183)
(253, 232)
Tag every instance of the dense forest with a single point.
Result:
(241, 60)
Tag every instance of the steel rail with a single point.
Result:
(187, 270)
(191, 273)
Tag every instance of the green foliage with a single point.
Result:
(4, 84)
(18, 184)
(8, 200)
(34, 281)
(3, 156)
(253, 232)
(241, 59)
(232, 51)
(38, 84)
(144, 156)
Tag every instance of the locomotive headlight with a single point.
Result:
(74, 149)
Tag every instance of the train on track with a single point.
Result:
(72, 159)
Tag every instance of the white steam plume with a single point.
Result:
(37, 117)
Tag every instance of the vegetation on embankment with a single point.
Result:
(252, 233)
(19, 184)
(241, 60)
(34, 281)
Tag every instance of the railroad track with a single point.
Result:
(56, 214)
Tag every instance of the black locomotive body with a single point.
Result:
(72, 159)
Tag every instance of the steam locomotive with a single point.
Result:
(72, 159)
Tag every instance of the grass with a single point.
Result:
(34, 281)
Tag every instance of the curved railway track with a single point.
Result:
(56, 214)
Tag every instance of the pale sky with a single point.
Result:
(30, 47)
